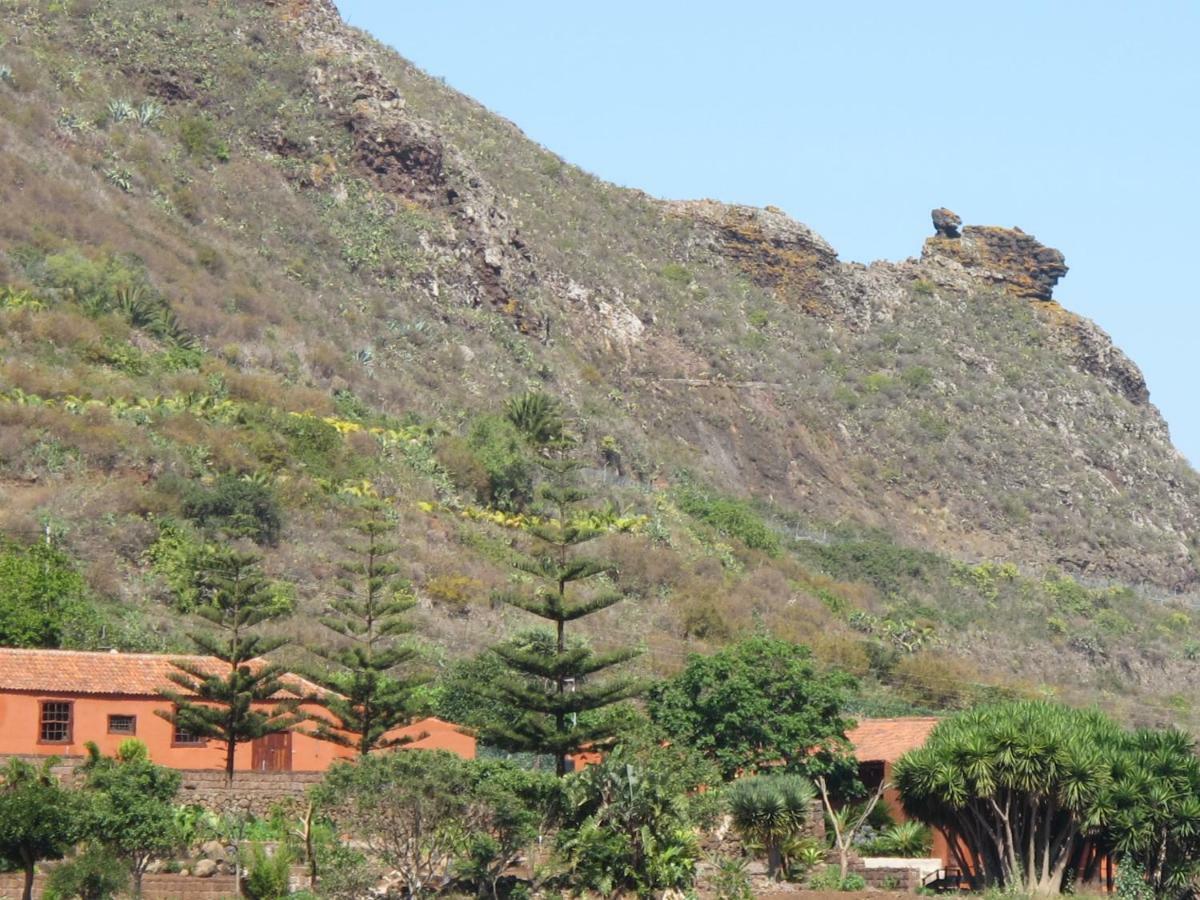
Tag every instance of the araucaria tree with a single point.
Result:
(1020, 784)
(369, 699)
(553, 689)
(225, 703)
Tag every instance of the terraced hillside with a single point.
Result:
(249, 253)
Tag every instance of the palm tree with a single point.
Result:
(538, 416)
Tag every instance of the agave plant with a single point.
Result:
(120, 110)
(6, 74)
(770, 810)
(148, 113)
(120, 177)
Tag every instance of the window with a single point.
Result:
(181, 737)
(121, 724)
(185, 738)
(55, 722)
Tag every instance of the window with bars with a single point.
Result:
(183, 737)
(122, 724)
(55, 725)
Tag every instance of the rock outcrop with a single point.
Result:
(1006, 257)
(946, 223)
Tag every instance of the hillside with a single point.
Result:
(242, 241)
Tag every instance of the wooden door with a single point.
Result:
(272, 753)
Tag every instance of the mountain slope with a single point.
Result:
(335, 233)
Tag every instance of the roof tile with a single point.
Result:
(126, 674)
(886, 740)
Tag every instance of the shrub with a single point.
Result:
(92, 875)
(199, 138)
(457, 592)
(908, 839)
(852, 882)
(238, 506)
(500, 449)
(415, 812)
(732, 518)
(730, 879)
(1131, 881)
(917, 377)
(267, 873)
(675, 273)
(628, 828)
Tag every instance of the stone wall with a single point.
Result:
(253, 791)
(154, 887)
(256, 792)
(893, 874)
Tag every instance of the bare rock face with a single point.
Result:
(946, 223)
(1006, 257)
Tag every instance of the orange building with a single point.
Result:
(52, 702)
(878, 744)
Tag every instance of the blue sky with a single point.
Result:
(1076, 121)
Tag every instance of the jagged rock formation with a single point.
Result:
(1007, 257)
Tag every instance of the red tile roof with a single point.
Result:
(886, 740)
(125, 674)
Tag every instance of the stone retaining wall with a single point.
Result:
(154, 887)
(256, 792)
(892, 878)
(253, 791)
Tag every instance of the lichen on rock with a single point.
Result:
(1006, 257)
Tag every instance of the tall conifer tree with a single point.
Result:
(219, 704)
(552, 687)
(370, 699)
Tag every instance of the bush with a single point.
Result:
(199, 138)
(730, 517)
(42, 597)
(483, 813)
(239, 506)
(267, 874)
(730, 878)
(500, 448)
(92, 875)
(629, 828)
(907, 839)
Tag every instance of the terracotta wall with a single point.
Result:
(20, 723)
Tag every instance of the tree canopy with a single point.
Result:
(552, 682)
(131, 810)
(760, 702)
(39, 819)
(42, 596)
(1023, 784)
